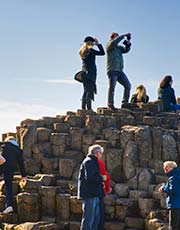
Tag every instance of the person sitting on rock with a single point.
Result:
(13, 156)
(167, 95)
(140, 95)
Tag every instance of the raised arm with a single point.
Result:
(116, 40)
(99, 52)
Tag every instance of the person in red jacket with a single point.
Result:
(103, 172)
(107, 189)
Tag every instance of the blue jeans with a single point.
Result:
(116, 76)
(91, 214)
(175, 107)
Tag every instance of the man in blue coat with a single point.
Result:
(172, 190)
(90, 188)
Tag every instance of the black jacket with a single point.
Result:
(14, 156)
(89, 64)
(90, 182)
(135, 100)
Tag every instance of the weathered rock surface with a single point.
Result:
(136, 141)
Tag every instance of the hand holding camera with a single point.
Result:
(127, 42)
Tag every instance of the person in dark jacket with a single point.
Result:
(167, 95)
(14, 156)
(90, 188)
(88, 56)
(140, 95)
(172, 190)
(115, 65)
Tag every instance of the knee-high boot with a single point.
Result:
(89, 103)
(83, 105)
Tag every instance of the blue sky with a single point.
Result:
(39, 45)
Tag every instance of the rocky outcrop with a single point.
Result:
(136, 142)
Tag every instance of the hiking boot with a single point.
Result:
(112, 108)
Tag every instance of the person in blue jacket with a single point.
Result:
(90, 188)
(167, 95)
(172, 190)
(88, 56)
(13, 156)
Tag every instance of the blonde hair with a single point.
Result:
(84, 50)
(141, 92)
(170, 164)
(93, 149)
(10, 138)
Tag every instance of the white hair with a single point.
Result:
(10, 138)
(93, 149)
(170, 163)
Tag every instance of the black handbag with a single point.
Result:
(80, 75)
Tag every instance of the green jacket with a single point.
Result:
(114, 61)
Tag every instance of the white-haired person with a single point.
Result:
(172, 190)
(88, 56)
(13, 156)
(90, 188)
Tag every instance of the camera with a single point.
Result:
(126, 41)
(128, 37)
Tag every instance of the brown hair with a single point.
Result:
(113, 34)
(165, 81)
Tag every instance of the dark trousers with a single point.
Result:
(102, 218)
(174, 218)
(8, 178)
(116, 76)
(88, 94)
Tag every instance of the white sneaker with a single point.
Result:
(8, 210)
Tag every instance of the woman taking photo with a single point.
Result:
(88, 55)
(167, 95)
